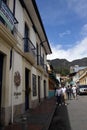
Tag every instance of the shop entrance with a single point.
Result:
(44, 88)
(26, 89)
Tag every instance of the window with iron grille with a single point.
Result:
(26, 38)
(34, 85)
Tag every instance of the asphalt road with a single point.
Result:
(71, 117)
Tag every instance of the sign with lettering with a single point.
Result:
(7, 15)
(17, 94)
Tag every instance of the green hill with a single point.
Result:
(62, 66)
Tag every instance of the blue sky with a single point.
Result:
(65, 23)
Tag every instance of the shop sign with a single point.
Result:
(7, 15)
(17, 94)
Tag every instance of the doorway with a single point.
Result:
(44, 88)
(39, 83)
(26, 88)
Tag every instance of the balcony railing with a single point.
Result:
(45, 67)
(29, 47)
(40, 60)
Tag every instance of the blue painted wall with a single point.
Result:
(51, 93)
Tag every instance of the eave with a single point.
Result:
(7, 36)
(32, 10)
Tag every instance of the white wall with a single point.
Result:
(17, 67)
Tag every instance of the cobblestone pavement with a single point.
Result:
(35, 119)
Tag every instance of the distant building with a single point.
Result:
(83, 77)
(58, 76)
(74, 68)
(53, 80)
(76, 73)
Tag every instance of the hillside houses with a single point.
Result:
(79, 74)
(83, 77)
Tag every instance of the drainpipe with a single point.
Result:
(12, 88)
(12, 75)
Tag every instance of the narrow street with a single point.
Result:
(71, 117)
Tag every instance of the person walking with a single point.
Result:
(74, 92)
(58, 95)
(64, 94)
(68, 91)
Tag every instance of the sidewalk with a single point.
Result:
(35, 119)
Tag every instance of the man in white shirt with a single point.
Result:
(59, 95)
(64, 94)
(74, 92)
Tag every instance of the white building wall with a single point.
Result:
(17, 67)
(20, 26)
(86, 80)
(19, 16)
(10, 3)
(4, 48)
(19, 64)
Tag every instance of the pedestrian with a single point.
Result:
(64, 94)
(68, 91)
(58, 95)
(74, 91)
(71, 91)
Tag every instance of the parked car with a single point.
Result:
(82, 89)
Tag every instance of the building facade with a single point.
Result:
(83, 77)
(23, 53)
(53, 80)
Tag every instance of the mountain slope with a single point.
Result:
(63, 66)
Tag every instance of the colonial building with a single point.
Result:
(23, 53)
(53, 80)
(83, 77)
(78, 74)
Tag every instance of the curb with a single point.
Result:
(50, 119)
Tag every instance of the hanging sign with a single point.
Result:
(7, 15)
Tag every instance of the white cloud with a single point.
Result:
(76, 52)
(64, 33)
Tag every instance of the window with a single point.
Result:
(37, 54)
(34, 85)
(26, 35)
